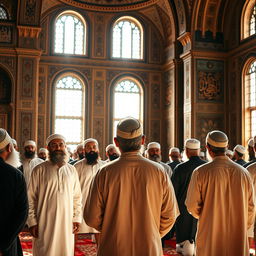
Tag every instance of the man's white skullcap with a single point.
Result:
(54, 137)
(91, 140)
(217, 139)
(251, 142)
(14, 142)
(241, 149)
(29, 143)
(174, 150)
(154, 145)
(42, 150)
(229, 152)
(109, 147)
(81, 145)
(129, 128)
(5, 138)
(192, 144)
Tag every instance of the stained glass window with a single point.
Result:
(3, 14)
(70, 33)
(69, 109)
(253, 21)
(128, 101)
(127, 39)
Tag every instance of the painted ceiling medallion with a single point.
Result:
(110, 5)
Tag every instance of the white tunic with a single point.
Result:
(54, 204)
(86, 174)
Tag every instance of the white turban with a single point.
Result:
(5, 138)
(154, 145)
(91, 140)
(192, 144)
(129, 128)
(217, 139)
(14, 142)
(109, 147)
(229, 152)
(55, 136)
(251, 142)
(29, 143)
(174, 150)
(43, 150)
(240, 149)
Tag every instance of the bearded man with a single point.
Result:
(13, 198)
(54, 202)
(87, 169)
(111, 153)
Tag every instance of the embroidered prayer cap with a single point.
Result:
(91, 140)
(192, 143)
(129, 128)
(42, 150)
(240, 149)
(29, 143)
(174, 150)
(217, 139)
(109, 147)
(154, 145)
(54, 137)
(251, 142)
(5, 138)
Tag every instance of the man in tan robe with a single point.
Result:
(87, 169)
(221, 197)
(54, 202)
(131, 201)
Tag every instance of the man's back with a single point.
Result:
(220, 194)
(133, 204)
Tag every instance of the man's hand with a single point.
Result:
(76, 227)
(34, 231)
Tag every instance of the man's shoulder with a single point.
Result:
(251, 167)
(10, 170)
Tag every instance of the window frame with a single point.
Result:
(6, 11)
(246, 18)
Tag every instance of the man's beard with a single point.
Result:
(59, 156)
(30, 154)
(81, 156)
(113, 156)
(155, 158)
(14, 158)
(91, 157)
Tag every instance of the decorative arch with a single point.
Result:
(3, 13)
(248, 11)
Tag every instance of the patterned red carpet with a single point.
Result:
(84, 246)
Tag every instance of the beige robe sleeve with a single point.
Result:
(77, 217)
(251, 206)
(194, 201)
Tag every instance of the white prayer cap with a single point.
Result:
(129, 128)
(29, 143)
(91, 140)
(251, 142)
(192, 144)
(43, 150)
(81, 145)
(54, 137)
(14, 142)
(241, 149)
(154, 145)
(229, 152)
(217, 139)
(174, 150)
(109, 147)
(5, 138)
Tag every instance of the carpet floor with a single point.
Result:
(85, 246)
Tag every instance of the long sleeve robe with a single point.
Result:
(86, 173)
(221, 196)
(132, 203)
(54, 204)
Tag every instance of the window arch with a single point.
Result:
(248, 19)
(70, 34)
(127, 100)
(3, 13)
(127, 38)
(69, 108)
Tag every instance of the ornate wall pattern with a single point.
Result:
(6, 33)
(155, 96)
(30, 14)
(25, 127)
(155, 130)
(27, 78)
(181, 16)
(9, 62)
(3, 121)
(210, 80)
(5, 87)
(41, 91)
(41, 132)
(99, 93)
(99, 26)
(98, 133)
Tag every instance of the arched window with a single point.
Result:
(127, 39)
(3, 13)
(128, 101)
(69, 108)
(70, 34)
(248, 19)
(253, 21)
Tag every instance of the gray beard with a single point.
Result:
(59, 157)
(14, 158)
(155, 158)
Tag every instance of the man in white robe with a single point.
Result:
(54, 202)
(111, 153)
(131, 200)
(87, 169)
(221, 197)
